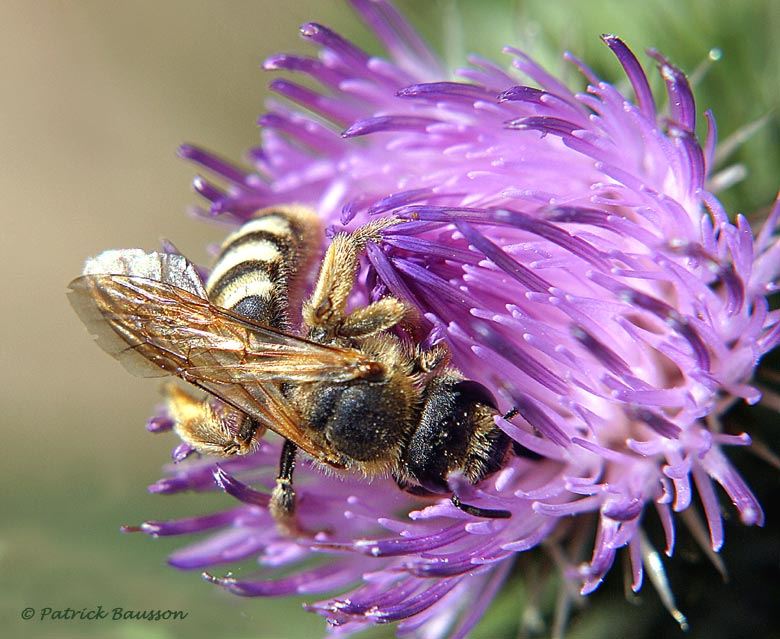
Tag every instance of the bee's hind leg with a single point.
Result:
(282, 506)
(242, 441)
(208, 426)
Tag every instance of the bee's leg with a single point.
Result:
(420, 491)
(282, 504)
(242, 441)
(517, 448)
(208, 427)
(488, 513)
(427, 362)
(374, 318)
(413, 489)
(326, 308)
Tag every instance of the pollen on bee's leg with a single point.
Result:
(181, 405)
(283, 510)
(246, 432)
(208, 426)
(283, 499)
(374, 318)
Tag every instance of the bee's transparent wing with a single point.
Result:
(157, 328)
(113, 335)
(184, 334)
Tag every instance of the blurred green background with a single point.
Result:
(96, 97)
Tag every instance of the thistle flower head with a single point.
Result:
(568, 249)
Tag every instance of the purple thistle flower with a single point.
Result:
(567, 248)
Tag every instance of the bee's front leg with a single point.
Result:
(372, 319)
(325, 311)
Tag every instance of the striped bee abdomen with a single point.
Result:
(260, 266)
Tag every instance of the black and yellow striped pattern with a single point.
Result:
(259, 266)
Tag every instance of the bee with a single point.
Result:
(344, 388)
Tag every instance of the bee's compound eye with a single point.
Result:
(470, 392)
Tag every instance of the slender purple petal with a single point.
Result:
(213, 163)
(388, 123)
(635, 73)
(681, 102)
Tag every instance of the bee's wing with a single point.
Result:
(156, 328)
(264, 403)
(117, 333)
(182, 334)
